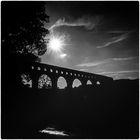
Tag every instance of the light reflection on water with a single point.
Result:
(53, 131)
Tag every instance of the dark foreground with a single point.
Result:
(92, 112)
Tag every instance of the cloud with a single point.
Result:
(88, 22)
(114, 40)
(83, 69)
(93, 64)
(128, 74)
(117, 32)
(124, 59)
(118, 72)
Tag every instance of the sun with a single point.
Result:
(56, 43)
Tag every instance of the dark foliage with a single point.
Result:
(23, 28)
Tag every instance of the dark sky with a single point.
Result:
(101, 37)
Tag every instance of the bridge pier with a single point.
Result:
(93, 82)
(84, 83)
(35, 78)
(54, 83)
(69, 83)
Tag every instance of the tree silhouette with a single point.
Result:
(23, 31)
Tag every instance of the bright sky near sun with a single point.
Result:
(97, 37)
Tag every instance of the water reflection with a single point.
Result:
(53, 131)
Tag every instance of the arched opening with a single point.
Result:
(26, 80)
(89, 82)
(51, 70)
(76, 83)
(61, 83)
(44, 82)
(98, 83)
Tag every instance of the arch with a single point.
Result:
(89, 82)
(32, 67)
(61, 83)
(26, 80)
(44, 81)
(56, 71)
(67, 73)
(76, 83)
(98, 83)
(38, 68)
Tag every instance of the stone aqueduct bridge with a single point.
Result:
(35, 70)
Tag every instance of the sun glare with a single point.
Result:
(56, 43)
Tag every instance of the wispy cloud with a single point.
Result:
(125, 58)
(114, 40)
(117, 32)
(88, 22)
(118, 72)
(93, 64)
(127, 74)
(83, 69)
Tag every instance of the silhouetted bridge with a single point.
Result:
(35, 70)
